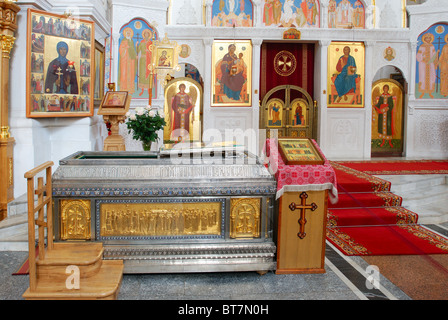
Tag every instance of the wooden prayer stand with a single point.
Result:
(8, 25)
(301, 232)
(114, 112)
(302, 215)
(114, 142)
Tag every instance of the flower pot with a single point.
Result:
(146, 146)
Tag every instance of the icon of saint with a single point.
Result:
(61, 74)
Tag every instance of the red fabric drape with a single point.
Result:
(303, 76)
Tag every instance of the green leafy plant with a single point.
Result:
(144, 124)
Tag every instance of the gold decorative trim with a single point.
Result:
(11, 172)
(4, 133)
(7, 43)
(245, 218)
(285, 63)
(160, 219)
(75, 219)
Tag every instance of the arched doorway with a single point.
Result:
(290, 110)
(388, 113)
(286, 88)
(183, 111)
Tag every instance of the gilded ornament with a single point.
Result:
(160, 219)
(11, 172)
(245, 218)
(4, 133)
(285, 63)
(75, 220)
(7, 43)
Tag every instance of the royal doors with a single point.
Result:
(289, 110)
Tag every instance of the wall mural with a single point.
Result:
(229, 13)
(346, 14)
(292, 13)
(134, 58)
(432, 63)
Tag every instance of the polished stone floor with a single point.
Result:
(346, 278)
(342, 281)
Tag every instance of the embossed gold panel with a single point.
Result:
(245, 218)
(75, 219)
(160, 219)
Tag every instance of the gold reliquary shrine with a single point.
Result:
(204, 211)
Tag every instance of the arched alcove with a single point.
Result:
(388, 112)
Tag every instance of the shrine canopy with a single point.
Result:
(297, 177)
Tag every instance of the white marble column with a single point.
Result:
(410, 122)
(208, 13)
(324, 14)
(413, 74)
(256, 58)
(258, 13)
(207, 76)
(370, 46)
(321, 92)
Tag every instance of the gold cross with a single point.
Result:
(303, 207)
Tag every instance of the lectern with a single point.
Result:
(113, 108)
(304, 179)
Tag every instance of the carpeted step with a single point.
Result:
(370, 216)
(387, 167)
(350, 180)
(407, 239)
(366, 199)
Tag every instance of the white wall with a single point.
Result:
(49, 139)
(343, 133)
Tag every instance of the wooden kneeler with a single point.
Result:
(64, 270)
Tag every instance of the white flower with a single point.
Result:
(133, 117)
(152, 113)
(128, 114)
(139, 111)
(148, 107)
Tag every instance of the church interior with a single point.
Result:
(224, 149)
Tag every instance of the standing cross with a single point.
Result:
(303, 207)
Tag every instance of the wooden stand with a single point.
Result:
(114, 142)
(7, 173)
(301, 232)
(8, 26)
(114, 112)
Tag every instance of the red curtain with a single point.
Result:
(303, 76)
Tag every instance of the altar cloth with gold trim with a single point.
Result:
(298, 178)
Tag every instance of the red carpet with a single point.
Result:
(368, 219)
(25, 267)
(386, 167)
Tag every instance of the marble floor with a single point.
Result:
(346, 278)
(343, 280)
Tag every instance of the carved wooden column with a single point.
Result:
(8, 25)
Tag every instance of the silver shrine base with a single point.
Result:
(199, 212)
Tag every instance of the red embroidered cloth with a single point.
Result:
(297, 178)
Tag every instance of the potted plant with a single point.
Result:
(144, 124)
